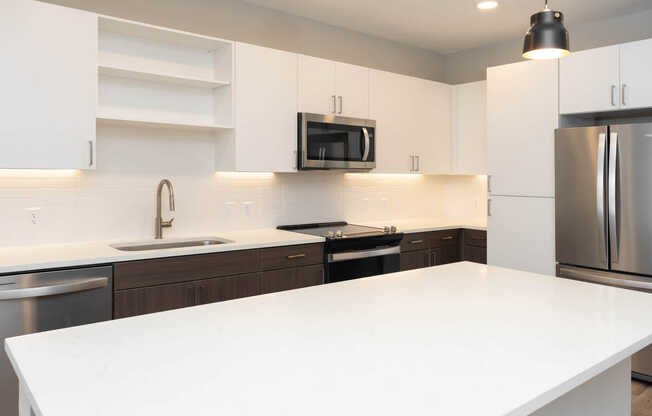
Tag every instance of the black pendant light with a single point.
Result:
(547, 37)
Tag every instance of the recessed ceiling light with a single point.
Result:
(486, 4)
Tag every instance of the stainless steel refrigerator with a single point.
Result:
(603, 204)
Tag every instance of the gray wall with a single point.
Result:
(471, 65)
(232, 19)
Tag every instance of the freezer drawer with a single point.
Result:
(641, 361)
(38, 302)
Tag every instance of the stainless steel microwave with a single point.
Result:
(331, 142)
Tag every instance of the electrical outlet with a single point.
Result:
(34, 214)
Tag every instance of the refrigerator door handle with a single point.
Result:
(613, 226)
(602, 154)
(606, 278)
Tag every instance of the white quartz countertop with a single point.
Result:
(26, 258)
(460, 339)
(430, 224)
(50, 256)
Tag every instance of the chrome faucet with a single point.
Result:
(159, 224)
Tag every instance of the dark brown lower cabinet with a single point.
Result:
(295, 278)
(475, 254)
(475, 246)
(450, 253)
(415, 260)
(132, 302)
(227, 288)
(147, 286)
(435, 257)
(442, 247)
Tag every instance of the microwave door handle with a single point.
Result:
(365, 156)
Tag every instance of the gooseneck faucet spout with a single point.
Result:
(159, 224)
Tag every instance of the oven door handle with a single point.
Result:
(365, 156)
(363, 254)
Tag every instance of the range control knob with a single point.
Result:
(338, 234)
(387, 229)
(393, 229)
(330, 234)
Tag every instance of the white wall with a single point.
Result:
(471, 65)
(245, 22)
(117, 200)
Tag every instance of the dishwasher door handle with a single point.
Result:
(78, 285)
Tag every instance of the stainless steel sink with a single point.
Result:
(169, 243)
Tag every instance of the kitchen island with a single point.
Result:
(460, 339)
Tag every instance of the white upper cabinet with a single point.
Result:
(635, 70)
(521, 120)
(390, 98)
(412, 124)
(352, 88)
(317, 85)
(432, 128)
(49, 86)
(589, 81)
(266, 112)
(328, 87)
(470, 128)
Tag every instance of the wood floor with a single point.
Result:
(641, 399)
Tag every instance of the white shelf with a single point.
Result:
(161, 34)
(116, 71)
(109, 119)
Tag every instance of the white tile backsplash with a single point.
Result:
(117, 201)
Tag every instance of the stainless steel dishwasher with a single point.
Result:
(38, 302)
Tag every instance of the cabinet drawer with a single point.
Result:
(288, 279)
(415, 260)
(291, 256)
(144, 300)
(183, 269)
(476, 238)
(227, 288)
(475, 254)
(414, 242)
(444, 238)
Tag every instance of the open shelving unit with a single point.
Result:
(159, 77)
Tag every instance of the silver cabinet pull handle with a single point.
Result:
(622, 94)
(57, 289)
(416, 241)
(418, 163)
(411, 163)
(613, 95)
(340, 97)
(296, 256)
(90, 146)
(334, 104)
(448, 237)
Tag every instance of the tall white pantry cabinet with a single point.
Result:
(522, 114)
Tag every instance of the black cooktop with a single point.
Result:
(334, 230)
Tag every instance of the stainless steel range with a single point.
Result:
(355, 251)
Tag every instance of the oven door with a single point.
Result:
(330, 142)
(350, 265)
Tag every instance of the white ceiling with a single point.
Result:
(445, 26)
